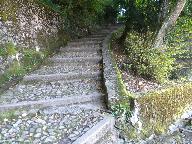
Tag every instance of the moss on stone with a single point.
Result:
(7, 115)
(8, 10)
(160, 108)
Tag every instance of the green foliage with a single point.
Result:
(11, 49)
(150, 63)
(140, 15)
(13, 72)
(179, 38)
(3, 51)
(8, 10)
(8, 49)
(10, 114)
(30, 60)
(188, 9)
(79, 15)
(122, 107)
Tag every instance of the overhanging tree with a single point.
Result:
(150, 15)
(169, 22)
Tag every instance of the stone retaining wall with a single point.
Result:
(28, 24)
(110, 74)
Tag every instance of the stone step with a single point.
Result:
(97, 39)
(93, 98)
(75, 64)
(104, 33)
(54, 125)
(97, 36)
(95, 134)
(63, 102)
(48, 69)
(84, 60)
(81, 49)
(86, 48)
(41, 90)
(62, 76)
(78, 43)
(77, 54)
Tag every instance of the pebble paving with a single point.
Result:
(77, 54)
(48, 125)
(81, 47)
(54, 124)
(66, 69)
(40, 90)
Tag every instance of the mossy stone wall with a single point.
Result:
(28, 25)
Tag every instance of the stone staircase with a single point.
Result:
(63, 101)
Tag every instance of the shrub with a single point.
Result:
(31, 58)
(148, 62)
(179, 37)
(7, 49)
(2, 51)
(29, 61)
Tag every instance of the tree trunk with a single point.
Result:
(130, 15)
(168, 23)
(124, 35)
(164, 8)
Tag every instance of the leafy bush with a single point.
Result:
(31, 58)
(28, 61)
(148, 62)
(180, 36)
(14, 72)
(7, 49)
(2, 51)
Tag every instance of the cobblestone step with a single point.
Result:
(77, 54)
(52, 125)
(81, 49)
(93, 98)
(88, 39)
(62, 76)
(35, 91)
(64, 69)
(62, 102)
(84, 43)
(103, 33)
(75, 64)
(97, 36)
(84, 60)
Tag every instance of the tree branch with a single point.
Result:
(168, 23)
